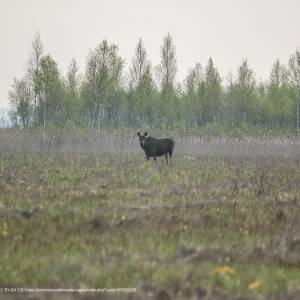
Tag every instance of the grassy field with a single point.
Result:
(86, 210)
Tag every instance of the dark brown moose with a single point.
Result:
(156, 147)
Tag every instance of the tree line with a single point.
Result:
(146, 96)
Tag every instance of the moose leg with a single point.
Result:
(154, 157)
(166, 156)
(147, 157)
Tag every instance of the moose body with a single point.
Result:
(156, 147)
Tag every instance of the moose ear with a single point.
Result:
(138, 134)
(145, 134)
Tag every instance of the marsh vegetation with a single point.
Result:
(85, 209)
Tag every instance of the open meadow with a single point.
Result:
(84, 209)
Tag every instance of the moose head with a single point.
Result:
(142, 138)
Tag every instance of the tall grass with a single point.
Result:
(125, 142)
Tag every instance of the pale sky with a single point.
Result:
(226, 30)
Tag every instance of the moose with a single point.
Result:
(156, 147)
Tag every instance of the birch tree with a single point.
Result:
(20, 101)
(34, 66)
(102, 81)
(141, 87)
(294, 68)
(279, 101)
(50, 89)
(167, 70)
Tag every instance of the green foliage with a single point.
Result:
(101, 86)
(106, 96)
(20, 99)
(243, 96)
(167, 70)
(50, 91)
(279, 98)
(142, 91)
